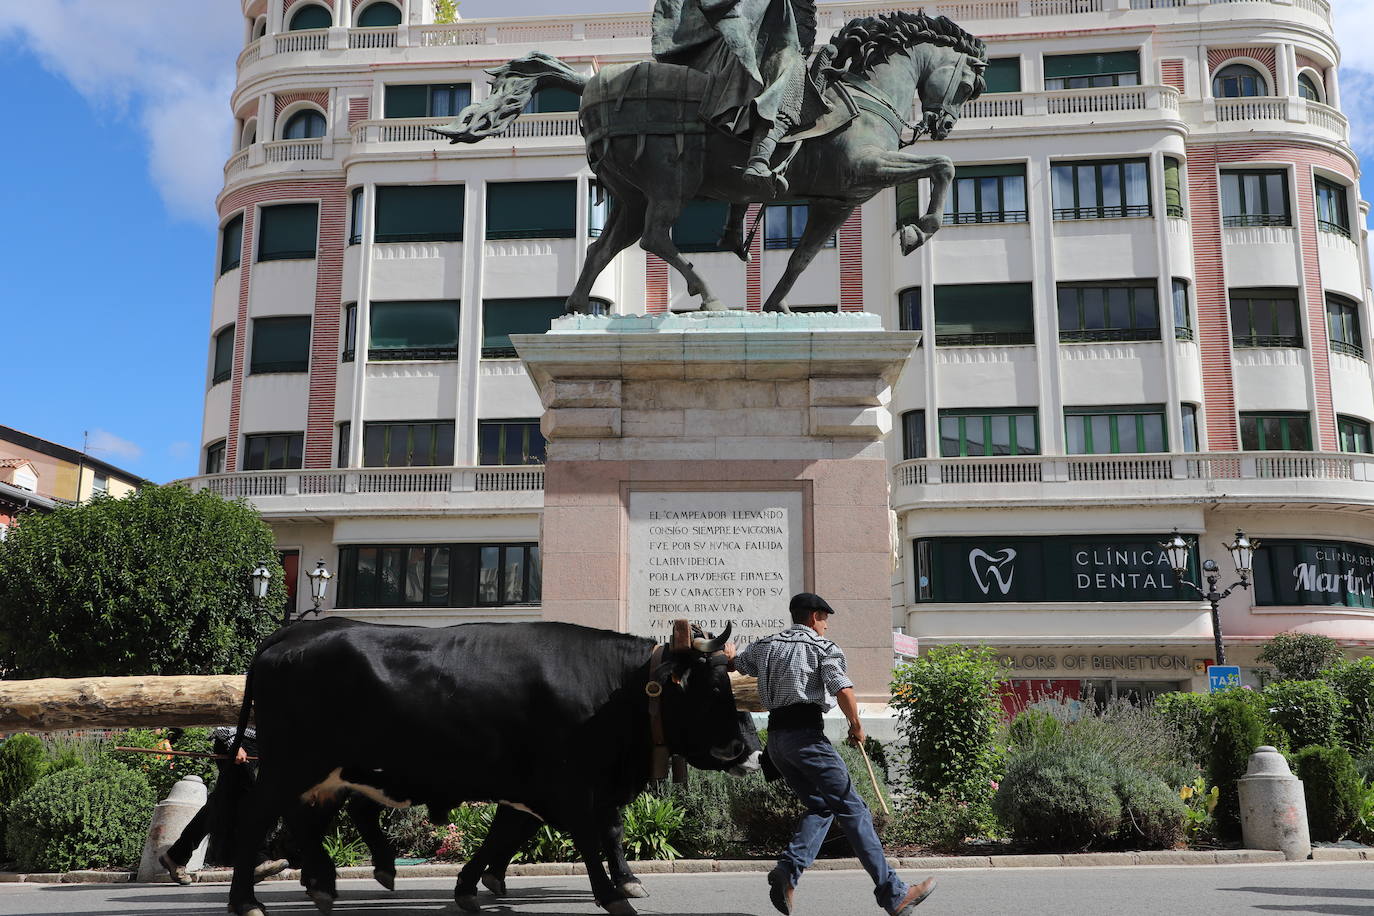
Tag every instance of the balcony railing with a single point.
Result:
(237, 163)
(1258, 108)
(250, 54)
(372, 37)
(1150, 101)
(304, 40)
(323, 482)
(416, 130)
(294, 150)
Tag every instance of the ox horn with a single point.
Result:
(707, 646)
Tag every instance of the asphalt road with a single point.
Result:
(1336, 889)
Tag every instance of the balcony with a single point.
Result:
(558, 129)
(1113, 105)
(1339, 480)
(382, 491)
(1268, 112)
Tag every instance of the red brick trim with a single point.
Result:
(753, 271)
(286, 10)
(320, 98)
(1171, 74)
(1304, 63)
(1217, 57)
(852, 262)
(359, 109)
(655, 284)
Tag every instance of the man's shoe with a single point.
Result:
(914, 895)
(178, 872)
(780, 890)
(267, 869)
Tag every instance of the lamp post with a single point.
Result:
(319, 584)
(262, 578)
(1178, 549)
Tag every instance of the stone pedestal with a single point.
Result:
(710, 465)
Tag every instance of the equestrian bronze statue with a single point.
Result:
(656, 140)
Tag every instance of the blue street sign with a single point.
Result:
(1220, 677)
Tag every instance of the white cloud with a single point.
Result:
(103, 444)
(166, 65)
(1354, 21)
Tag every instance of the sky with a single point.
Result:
(117, 146)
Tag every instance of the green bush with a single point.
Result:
(1309, 712)
(1354, 684)
(1189, 716)
(1235, 733)
(1334, 792)
(411, 832)
(949, 710)
(652, 825)
(84, 817)
(1034, 727)
(1059, 797)
(163, 771)
(1300, 656)
(1153, 815)
(23, 759)
(942, 824)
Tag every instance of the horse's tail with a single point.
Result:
(512, 86)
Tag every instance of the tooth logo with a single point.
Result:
(987, 567)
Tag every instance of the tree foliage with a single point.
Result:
(1300, 656)
(154, 583)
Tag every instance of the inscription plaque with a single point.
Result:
(714, 558)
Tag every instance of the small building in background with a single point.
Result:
(55, 473)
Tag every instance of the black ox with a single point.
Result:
(550, 717)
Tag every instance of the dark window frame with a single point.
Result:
(1231, 75)
(308, 115)
(792, 231)
(1255, 336)
(1310, 89)
(1115, 414)
(1351, 432)
(913, 435)
(304, 11)
(970, 181)
(231, 255)
(986, 417)
(379, 4)
(1092, 80)
(1286, 429)
(293, 445)
(377, 353)
(1183, 310)
(561, 187)
(1190, 428)
(530, 436)
(909, 316)
(380, 204)
(1254, 213)
(215, 454)
(1098, 209)
(221, 369)
(398, 441)
(265, 217)
(264, 367)
(491, 350)
(1343, 330)
(1333, 208)
(1173, 189)
(355, 216)
(699, 226)
(1024, 337)
(452, 93)
(1134, 330)
(462, 585)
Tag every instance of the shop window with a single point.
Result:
(280, 345)
(984, 314)
(426, 329)
(1255, 198)
(1183, 314)
(1343, 325)
(1354, 435)
(1332, 212)
(1173, 187)
(419, 213)
(408, 445)
(287, 231)
(214, 458)
(439, 575)
(1115, 430)
(1275, 432)
(1238, 81)
(1003, 74)
(440, 100)
(379, 15)
(909, 309)
(509, 442)
(312, 16)
(1265, 318)
(224, 356)
(700, 225)
(987, 194)
(273, 451)
(1126, 310)
(1092, 71)
(783, 225)
(532, 210)
(231, 244)
(1101, 190)
(306, 124)
(988, 433)
(913, 435)
(1188, 418)
(503, 317)
(1302, 573)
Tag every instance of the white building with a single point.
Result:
(1147, 310)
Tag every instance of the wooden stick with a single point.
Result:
(876, 791)
(169, 753)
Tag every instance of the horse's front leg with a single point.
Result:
(893, 167)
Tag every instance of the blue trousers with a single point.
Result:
(816, 773)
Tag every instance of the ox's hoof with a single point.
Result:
(620, 908)
(254, 910)
(324, 901)
(466, 903)
(633, 889)
(386, 879)
(494, 883)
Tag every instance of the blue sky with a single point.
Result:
(106, 255)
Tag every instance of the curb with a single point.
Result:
(724, 866)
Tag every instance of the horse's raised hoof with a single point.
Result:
(911, 239)
(386, 879)
(494, 883)
(324, 901)
(619, 908)
(633, 889)
(466, 903)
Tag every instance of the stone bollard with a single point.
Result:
(170, 817)
(1273, 812)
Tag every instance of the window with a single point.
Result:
(1188, 417)
(413, 330)
(305, 124)
(1092, 71)
(310, 17)
(1003, 74)
(909, 207)
(909, 309)
(700, 225)
(272, 451)
(1115, 430)
(442, 100)
(1354, 435)
(987, 433)
(1343, 325)
(1173, 187)
(984, 314)
(214, 458)
(355, 216)
(1313, 574)
(280, 345)
(1101, 190)
(231, 244)
(1332, 215)
(503, 317)
(1265, 318)
(420, 213)
(532, 210)
(379, 15)
(551, 99)
(345, 444)
(224, 356)
(1275, 432)
(350, 332)
(913, 435)
(408, 445)
(987, 194)
(783, 225)
(509, 442)
(1183, 315)
(1238, 81)
(100, 483)
(1307, 88)
(1254, 199)
(1108, 311)
(439, 575)
(287, 231)
(598, 209)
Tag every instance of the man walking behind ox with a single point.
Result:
(796, 669)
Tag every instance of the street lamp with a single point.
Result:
(319, 584)
(1242, 551)
(262, 578)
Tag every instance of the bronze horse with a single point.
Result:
(656, 155)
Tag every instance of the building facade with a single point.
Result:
(1147, 310)
(57, 473)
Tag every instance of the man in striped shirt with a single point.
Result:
(796, 669)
